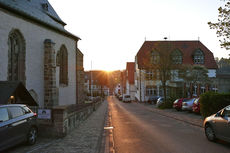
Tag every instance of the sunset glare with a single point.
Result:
(112, 32)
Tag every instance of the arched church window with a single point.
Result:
(198, 57)
(16, 57)
(176, 57)
(62, 62)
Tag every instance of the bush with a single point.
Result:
(167, 104)
(211, 102)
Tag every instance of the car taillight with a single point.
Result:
(35, 114)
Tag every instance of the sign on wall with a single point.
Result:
(44, 113)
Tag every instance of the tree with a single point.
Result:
(222, 26)
(194, 74)
(160, 62)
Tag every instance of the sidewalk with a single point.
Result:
(84, 139)
(184, 116)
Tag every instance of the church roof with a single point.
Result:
(37, 10)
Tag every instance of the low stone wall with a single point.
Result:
(65, 119)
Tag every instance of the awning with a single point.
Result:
(18, 90)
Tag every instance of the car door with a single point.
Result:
(19, 124)
(222, 123)
(4, 128)
(225, 126)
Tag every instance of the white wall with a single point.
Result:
(34, 36)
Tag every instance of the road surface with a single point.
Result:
(139, 130)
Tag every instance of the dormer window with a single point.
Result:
(176, 57)
(155, 57)
(45, 6)
(198, 57)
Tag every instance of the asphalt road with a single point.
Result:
(138, 130)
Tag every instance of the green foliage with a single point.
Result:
(167, 104)
(223, 25)
(211, 102)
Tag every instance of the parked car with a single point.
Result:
(187, 105)
(177, 104)
(153, 99)
(120, 97)
(160, 101)
(17, 124)
(126, 98)
(217, 125)
(196, 106)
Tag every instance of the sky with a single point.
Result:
(112, 31)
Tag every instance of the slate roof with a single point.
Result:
(9, 88)
(36, 10)
(186, 47)
(130, 67)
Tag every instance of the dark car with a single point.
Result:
(153, 99)
(177, 104)
(217, 125)
(17, 124)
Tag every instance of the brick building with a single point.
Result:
(147, 77)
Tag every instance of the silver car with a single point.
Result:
(187, 105)
(218, 125)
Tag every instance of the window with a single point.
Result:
(16, 57)
(62, 62)
(4, 116)
(176, 57)
(198, 57)
(149, 75)
(155, 57)
(16, 111)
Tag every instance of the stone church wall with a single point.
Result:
(34, 36)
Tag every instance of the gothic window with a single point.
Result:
(62, 62)
(16, 57)
(198, 57)
(176, 57)
(155, 57)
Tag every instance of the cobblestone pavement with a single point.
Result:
(185, 116)
(85, 139)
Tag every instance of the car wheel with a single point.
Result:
(210, 133)
(32, 136)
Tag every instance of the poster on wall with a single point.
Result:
(44, 113)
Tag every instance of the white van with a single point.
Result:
(126, 98)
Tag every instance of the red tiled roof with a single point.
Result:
(130, 67)
(186, 47)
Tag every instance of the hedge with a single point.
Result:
(211, 102)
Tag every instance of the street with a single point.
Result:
(138, 130)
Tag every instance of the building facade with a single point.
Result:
(36, 50)
(130, 86)
(148, 73)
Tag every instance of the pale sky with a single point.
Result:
(112, 31)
